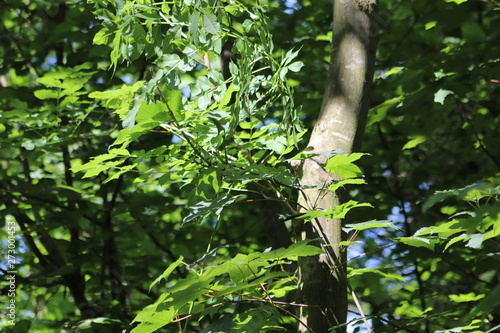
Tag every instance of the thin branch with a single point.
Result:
(260, 301)
(206, 59)
(48, 201)
(481, 144)
(110, 251)
(372, 251)
(418, 275)
(67, 166)
(295, 317)
(361, 313)
(167, 251)
(186, 137)
(31, 243)
(147, 293)
(397, 326)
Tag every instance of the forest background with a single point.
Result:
(137, 169)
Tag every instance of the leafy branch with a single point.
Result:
(185, 136)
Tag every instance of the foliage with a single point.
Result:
(224, 144)
(120, 129)
(434, 168)
(229, 285)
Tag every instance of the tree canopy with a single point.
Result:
(146, 166)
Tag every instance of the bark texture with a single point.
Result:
(340, 125)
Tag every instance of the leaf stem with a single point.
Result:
(186, 137)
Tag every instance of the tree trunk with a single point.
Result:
(340, 125)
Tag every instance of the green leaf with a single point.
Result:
(472, 327)
(242, 272)
(126, 90)
(122, 170)
(71, 188)
(342, 165)
(28, 145)
(430, 25)
(475, 240)
(352, 181)
(250, 124)
(152, 323)
(47, 94)
(210, 23)
(129, 121)
(458, 2)
(54, 79)
(169, 61)
(167, 272)
(298, 249)
(139, 40)
(339, 211)
(119, 152)
(361, 271)
(392, 71)
(102, 37)
(296, 66)
(174, 103)
(415, 141)
(116, 52)
(457, 239)
(275, 143)
(418, 242)
(126, 135)
(193, 26)
(379, 112)
(227, 96)
(290, 55)
(441, 94)
(460, 193)
(370, 225)
(446, 229)
(470, 297)
(152, 113)
(214, 206)
(486, 305)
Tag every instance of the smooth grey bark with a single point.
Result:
(340, 125)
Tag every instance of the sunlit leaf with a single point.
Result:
(470, 297)
(370, 225)
(414, 142)
(296, 66)
(211, 24)
(418, 242)
(441, 94)
(343, 165)
(167, 272)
